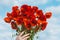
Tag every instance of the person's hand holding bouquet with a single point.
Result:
(30, 18)
(22, 37)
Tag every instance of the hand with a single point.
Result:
(22, 37)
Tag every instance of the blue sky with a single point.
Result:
(52, 32)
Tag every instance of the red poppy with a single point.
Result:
(14, 25)
(27, 13)
(48, 14)
(33, 22)
(39, 13)
(17, 12)
(9, 15)
(29, 8)
(42, 18)
(14, 8)
(15, 19)
(34, 8)
(14, 14)
(19, 20)
(29, 17)
(33, 17)
(37, 28)
(7, 19)
(24, 8)
(27, 24)
(39, 22)
(44, 24)
(24, 15)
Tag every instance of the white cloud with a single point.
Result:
(34, 1)
(53, 28)
(5, 2)
(20, 2)
(54, 9)
(6, 36)
(5, 30)
(3, 24)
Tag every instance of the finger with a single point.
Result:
(25, 35)
(17, 38)
(26, 38)
(21, 33)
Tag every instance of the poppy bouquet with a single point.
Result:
(27, 18)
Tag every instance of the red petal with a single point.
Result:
(27, 25)
(8, 20)
(24, 8)
(48, 14)
(9, 15)
(29, 8)
(39, 12)
(42, 18)
(33, 22)
(39, 21)
(35, 8)
(44, 24)
(14, 14)
(13, 25)
(14, 8)
(18, 12)
(19, 20)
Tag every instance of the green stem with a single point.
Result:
(31, 35)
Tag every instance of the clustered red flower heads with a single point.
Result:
(30, 16)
